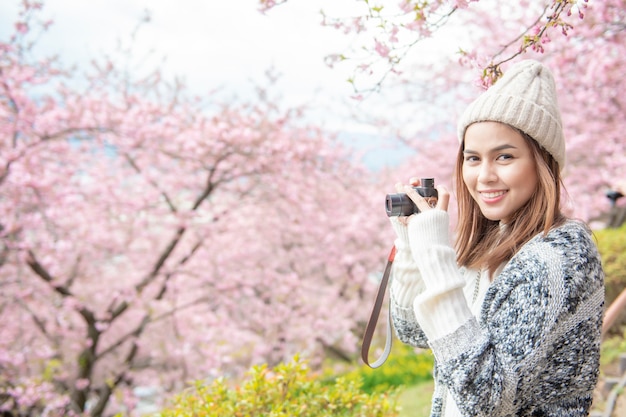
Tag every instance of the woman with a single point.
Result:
(513, 312)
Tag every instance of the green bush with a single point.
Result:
(612, 246)
(287, 390)
(612, 348)
(404, 367)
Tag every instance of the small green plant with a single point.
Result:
(612, 247)
(285, 391)
(612, 348)
(404, 367)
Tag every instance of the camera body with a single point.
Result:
(401, 205)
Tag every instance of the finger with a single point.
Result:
(414, 181)
(443, 197)
(419, 201)
(399, 187)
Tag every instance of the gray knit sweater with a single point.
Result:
(534, 347)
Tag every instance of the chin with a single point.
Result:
(493, 217)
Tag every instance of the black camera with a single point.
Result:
(401, 205)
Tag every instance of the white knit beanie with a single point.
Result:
(525, 98)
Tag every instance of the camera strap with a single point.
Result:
(371, 324)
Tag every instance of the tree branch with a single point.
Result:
(124, 338)
(38, 269)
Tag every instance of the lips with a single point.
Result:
(492, 197)
(491, 194)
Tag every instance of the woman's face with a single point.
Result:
(498, 169)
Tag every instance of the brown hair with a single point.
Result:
(479, 243)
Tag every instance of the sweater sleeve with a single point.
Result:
(536, 350)
(406, 284)
(441, 308)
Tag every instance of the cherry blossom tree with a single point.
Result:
(394, 28)
(151, 237)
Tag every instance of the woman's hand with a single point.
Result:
(422, 203)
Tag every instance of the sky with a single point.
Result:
(208, 43)
(216, 44)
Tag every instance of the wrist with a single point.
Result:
(429, 228)
(402, 233)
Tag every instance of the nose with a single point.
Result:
(487, 173)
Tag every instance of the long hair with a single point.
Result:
(479, 241)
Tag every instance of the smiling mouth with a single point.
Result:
(494, 194)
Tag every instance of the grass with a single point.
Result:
(612, 348)
(415, 400)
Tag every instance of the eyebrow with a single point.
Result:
(496, 149)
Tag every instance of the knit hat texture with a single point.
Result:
(525, 98)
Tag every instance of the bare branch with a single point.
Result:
(39, 270)
(136, 332)
(182, 262)
(161, 261)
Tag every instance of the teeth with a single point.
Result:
(493, 195)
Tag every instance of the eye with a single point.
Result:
(471, 158)
(504, 157)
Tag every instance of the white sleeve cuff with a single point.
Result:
(441, 314)
(404, 294)
(441, 308)
(429, 228)
(402, 233)
(432, 252)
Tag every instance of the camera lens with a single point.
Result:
(399, 205)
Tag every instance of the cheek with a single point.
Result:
(468, 178)
(525, 177)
